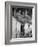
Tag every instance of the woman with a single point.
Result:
(28, 29)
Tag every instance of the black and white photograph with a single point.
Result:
(20, 22)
